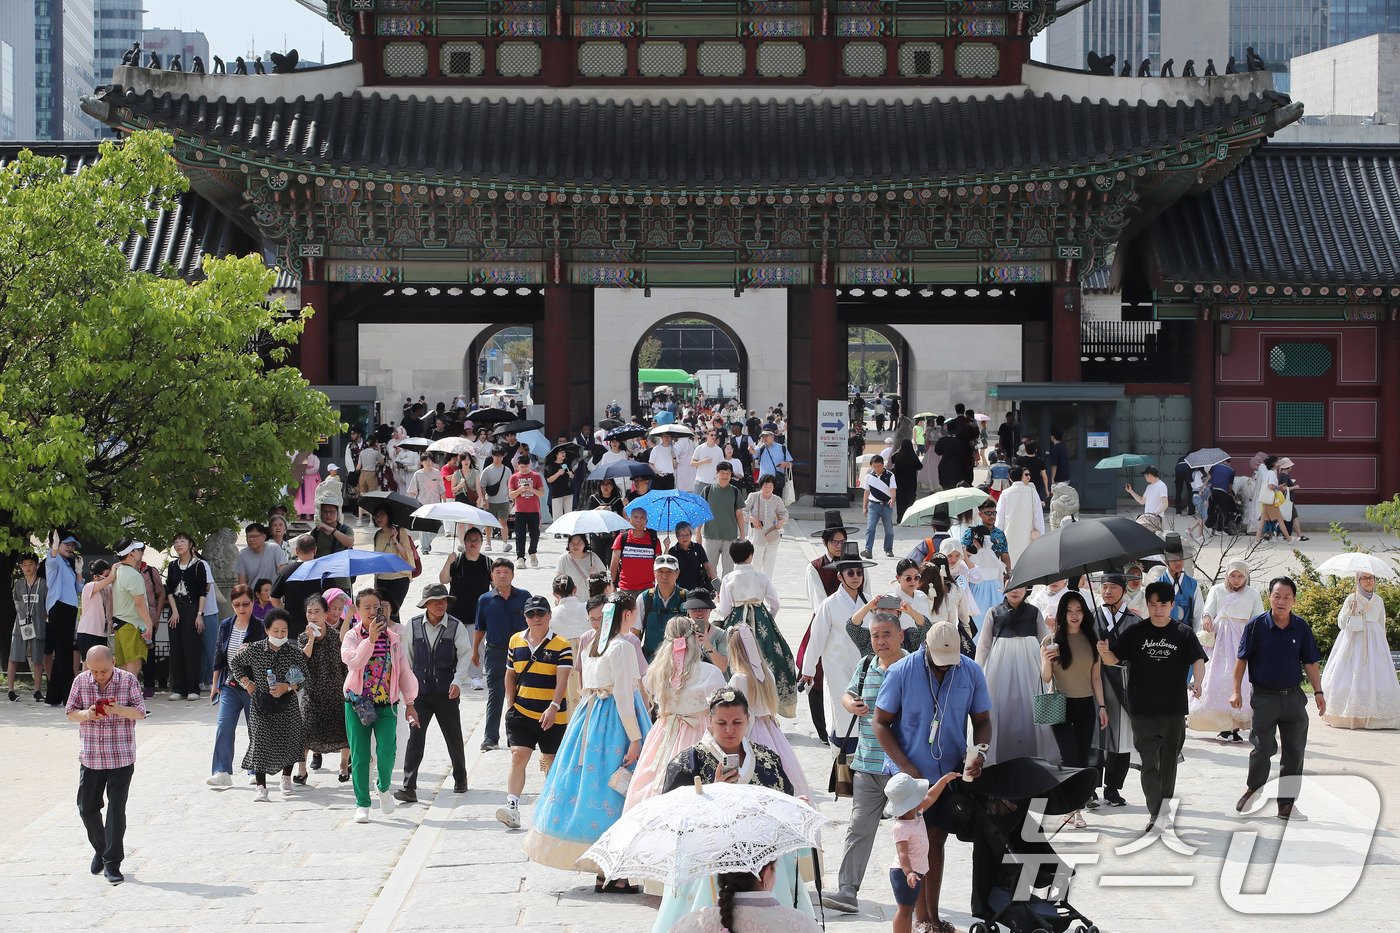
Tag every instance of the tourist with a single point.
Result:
(1036, 470)
(272, 673)
(578, 563)
(822, 581)
(61, 587)
(323, 693)
(877, 502)
(541, 663)
(698, 606)
(1008, 650)
(634, 554)
(331, 534)
(1154, 499)
(425, 485)
(1187, 604)
(226, 690)
(684, 447)
(927, 548)
(524, 490)
(187, 585)
(439, 649)
(773, 460)
(1228, 608)
(659, 604)
(950, 600)
(132, 625)
(1019, 516)
(833, 648)
(493, 494)
(106, 703)
(1267, 497)
(706, 460)
(27, 640)
(467, 575)
(391, 539)
(726, 502)
(1046, 598)
(696, 572)
(988, 552)
(913, 610)
(1359, 679)
(1157, 688)
(746, 903)
(664, 462)
(727, 736)
(95, 620)
(377, 676)
(905, 465)
(342, 609)
(751, 674)
(581, 798)
(681, 688)
(868, 763)
(500, 613)
(747, 594)
(257, 561)
(570, 621)
(371, 459)
(908, 799)
(306, 476)
(292, 595)
(331, 490)
(262, 599)
(1116, 740)
(559, 477)
(1071, 663)
(765, 516)
(156, 598)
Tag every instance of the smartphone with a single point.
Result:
(731, 762)
(888, 603)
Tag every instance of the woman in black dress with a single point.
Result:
(906, 466)
(323, 693)
(273, 673)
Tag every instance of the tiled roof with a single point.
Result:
(179, 237)
(1290, 213)
(697, 145)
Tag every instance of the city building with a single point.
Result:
(64, 68)
(1358, 78)
(167, 43)
(1348, 20)
(1278, 31)
(118, 26)
(1134, 30)
(17, 71)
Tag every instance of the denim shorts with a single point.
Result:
(904, 895)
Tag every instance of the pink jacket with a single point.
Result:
(356, 650)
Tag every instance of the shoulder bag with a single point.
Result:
(842, 782)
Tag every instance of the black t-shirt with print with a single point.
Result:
(1158, 660)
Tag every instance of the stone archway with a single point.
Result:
(716, 346)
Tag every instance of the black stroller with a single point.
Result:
(991, 814)
(1224, 513)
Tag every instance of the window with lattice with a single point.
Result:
(781, 59)
(1301, 359)
(518, 59)
(721, 59)
(463, 59)
(661, 59)
(920, 60)
(602, 59)
(405, 59)
(1299, 419)
(977, 60)
(863, 59)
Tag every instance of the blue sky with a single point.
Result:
(235, 26)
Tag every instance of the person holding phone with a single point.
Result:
(524, 490)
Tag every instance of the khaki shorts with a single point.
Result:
(1270, 513)
(130, 646)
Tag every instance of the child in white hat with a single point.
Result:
(908, 798)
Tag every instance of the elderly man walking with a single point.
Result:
(105, 702)
(439, 649)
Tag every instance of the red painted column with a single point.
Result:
(1066, 304)
(315, 344)
(1203, 380)
(553, 350)
(1389, 334)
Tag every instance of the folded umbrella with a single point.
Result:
(1206, 458)
(456, 512)
(350, 563)
(955, 501)
(588, 522)
(667, 508)
(1344, 565)
(1089, 546)
(621, 469)
(1123, 462)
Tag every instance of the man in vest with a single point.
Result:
(822, 581)
(1189, 603)
(439, 650)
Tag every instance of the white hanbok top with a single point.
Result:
(1239, 606)
(743, 584)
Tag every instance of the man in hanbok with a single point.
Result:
(832, 647)
(1019, 514)
(1190, 601)
(821, 583)
(1115, 742)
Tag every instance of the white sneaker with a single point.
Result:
(261, 796)
(362, 814)
(386, 801)
(534, 560)
(478, 684)
(286, 783)
(220, 779)
(175, 696)
(509, 814)
(191, 697)
(252, 780)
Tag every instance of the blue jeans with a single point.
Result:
(234, 701)
(495, 664)
(880, 512)
(211, 638)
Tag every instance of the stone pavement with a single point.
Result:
(200, 859)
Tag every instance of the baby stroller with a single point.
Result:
(1225, 513)
(990, 812)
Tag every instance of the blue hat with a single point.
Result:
(537, 604)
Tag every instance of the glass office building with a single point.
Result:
(1355, 19)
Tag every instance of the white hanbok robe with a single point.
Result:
(1018, 514)
(830, 644)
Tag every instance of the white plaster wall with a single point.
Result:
(954, 363)
(1358, 78)
(622, 318)
(409, 360)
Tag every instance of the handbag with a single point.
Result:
(842, 782)
(364, 708)
(1048, 709)
(28, 631)
(789, 493)
(1356, 623)
(620, 780)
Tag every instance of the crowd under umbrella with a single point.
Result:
(952, 501)
(1206, 458)
(488, 416)
(450, 445)
(518, 426)
(621, 469)
(454, 512)
(1346, 565)
(667, 508)
(400, 506)
(588, 522)
(571, 452)
(626, 433)
(679, 430)
(1095, 545)
(352, 562)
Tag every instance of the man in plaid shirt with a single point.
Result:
(105, 702)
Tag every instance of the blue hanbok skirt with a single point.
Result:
(577, 804)
(988, 593)
(788, 889)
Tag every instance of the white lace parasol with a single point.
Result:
(683, 835)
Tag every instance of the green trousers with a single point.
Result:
(385, 732)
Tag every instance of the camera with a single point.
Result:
(979, 540)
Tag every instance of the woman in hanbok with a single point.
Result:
(585, 789)
(950, 599)
(306, 488)
(750, 674)
(837, 640)
(746, 594)
(985, 553)
(1047, 597)
(747, 904)
(728, 733)
(1359, 679)
(272, 673)
(1229, 607)
(1008, 650)
(681, 681)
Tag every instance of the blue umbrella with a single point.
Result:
(539, 444)
(621, 469)
(350, 563)
(666, 508)
(1124, 462)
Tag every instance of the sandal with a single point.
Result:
(344, 776)
(616, 886)
(299, 779)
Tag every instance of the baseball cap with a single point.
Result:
(333, 468)
(666, 562)
(536, 605)
(943, 644)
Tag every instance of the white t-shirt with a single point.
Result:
(1154, 498)
(883, 483)
(663, 460)
(705, 472)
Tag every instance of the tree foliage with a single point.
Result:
(521, 354)
(649, 353)
(134, 403)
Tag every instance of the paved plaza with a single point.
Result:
(199, 859)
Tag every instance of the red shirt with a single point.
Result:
(528, 504)
(636, 570)
(447, 473)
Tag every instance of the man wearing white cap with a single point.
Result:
(131, 618)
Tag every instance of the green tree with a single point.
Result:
(649, 354)
(521, 354)
(133, 403)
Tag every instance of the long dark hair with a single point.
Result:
(622, 604)
(1086, 626)
(935, 575)
(730, 884)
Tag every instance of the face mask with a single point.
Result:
(276, 642)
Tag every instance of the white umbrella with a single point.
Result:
(450, 445)
(458, 512)
(588, 522)
(413, 443)
(1345, 565)
(688, 834)
(679, 430)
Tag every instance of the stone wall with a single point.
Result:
(409, 360)
(954, 363)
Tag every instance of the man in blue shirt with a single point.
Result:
(500, 613)
(773, 460)
(921, 719)
(1273, 647)
(61, 578)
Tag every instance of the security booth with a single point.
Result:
(1085, 413)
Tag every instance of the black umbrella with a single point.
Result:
(1092, 546)
(517, 427)
(401, 509)
(626, 432)
(480, 416)
(621, 469)
(607, 423)
(571, 449)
